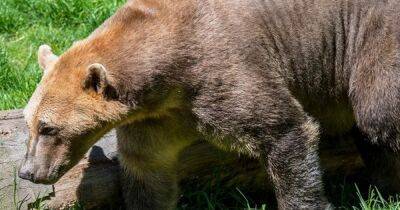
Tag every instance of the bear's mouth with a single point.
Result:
(46, 181)
(56, 173)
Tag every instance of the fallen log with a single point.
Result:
(94, 182)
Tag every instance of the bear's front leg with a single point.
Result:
(293, 165)
(149, 152)
(149, 189)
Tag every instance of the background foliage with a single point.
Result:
(26, 24)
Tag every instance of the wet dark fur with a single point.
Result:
(258, 77)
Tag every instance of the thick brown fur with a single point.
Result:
(257, 77)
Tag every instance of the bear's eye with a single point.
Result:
(47, 130)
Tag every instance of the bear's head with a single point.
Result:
(127, 70)
(71, 108)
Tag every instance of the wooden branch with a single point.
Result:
(94, 181)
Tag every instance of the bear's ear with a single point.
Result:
(98, 80)
(46, 57)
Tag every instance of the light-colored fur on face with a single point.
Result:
(66, 101)
(78, 92)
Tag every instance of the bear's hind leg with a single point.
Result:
(293, 165)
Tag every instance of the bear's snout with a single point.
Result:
(26, 170)
(25, 174)
(40, 175)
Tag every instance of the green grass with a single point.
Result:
(376, 201)
(26, 24)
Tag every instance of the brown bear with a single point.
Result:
(257, 77)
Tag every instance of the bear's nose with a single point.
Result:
(25, 174)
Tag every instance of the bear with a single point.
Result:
(263, 78)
